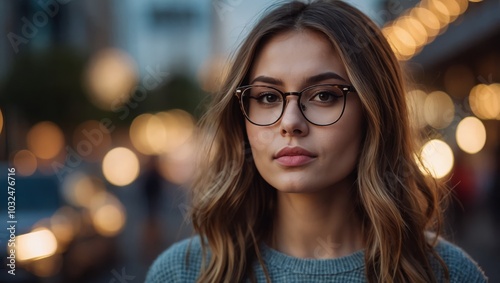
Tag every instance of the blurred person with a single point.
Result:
(493, 199)
(153, 238)
(153, 188)
(464, 197)
(309, 172)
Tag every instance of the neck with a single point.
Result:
(317, 225)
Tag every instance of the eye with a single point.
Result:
(265, 96)
(325, 96)
(268, 97)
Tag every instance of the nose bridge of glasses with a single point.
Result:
(296, 93)
(286, 101)
(291, 93)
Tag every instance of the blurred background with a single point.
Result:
(99, 100)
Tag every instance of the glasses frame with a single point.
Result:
(346, 89)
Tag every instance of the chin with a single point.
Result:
(292, 190)
(295, 188)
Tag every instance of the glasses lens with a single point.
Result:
(262, 105)
(322, 104)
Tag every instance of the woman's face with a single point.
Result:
(315, 157)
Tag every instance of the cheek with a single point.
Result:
(259, 137)
(346, 139)
(353, 121)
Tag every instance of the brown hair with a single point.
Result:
(233, 205)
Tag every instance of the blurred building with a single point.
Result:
(170, 33)
(176, 34)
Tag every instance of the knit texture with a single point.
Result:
(174, 266)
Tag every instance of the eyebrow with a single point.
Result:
(269, 80)
(323, 77)
(311, 80)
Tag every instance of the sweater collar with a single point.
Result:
(343, 264)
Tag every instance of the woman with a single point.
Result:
(311, 173)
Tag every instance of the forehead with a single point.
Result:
(296, 55)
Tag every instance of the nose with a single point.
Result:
(293, 122)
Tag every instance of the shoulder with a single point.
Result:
(179, 263)
(461, 266)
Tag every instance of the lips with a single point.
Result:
(294, 156)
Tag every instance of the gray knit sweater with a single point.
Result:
(171, 266)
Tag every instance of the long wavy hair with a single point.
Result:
(233, 207)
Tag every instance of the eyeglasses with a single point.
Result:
(321, 105)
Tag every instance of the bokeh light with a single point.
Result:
(453, 8)
(161, 133)
(47, 266)
(414, 28)
(428, 20)
(405, 43)
(1, 121)
(437, 157)
(111, 76)
(179, 126)
(471, 135)
(440, 10)
(485, 101)
(120, 166)
(401, 41)
(25, 162)
(108, 214)
(416, 104)
(464, 4)
(45, 140)
(178, 166)
(79, 189)
(156, 134)
(37, 244)
(418, 26)
(65, 224)
(439, 109)
(138, 134)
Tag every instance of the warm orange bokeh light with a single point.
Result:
(1, 121)
(120, 166)
(179, 126)
(418, 26)
(471, 135)
(178, 167)
(45, 140)
(79, 189)
(25, 162)
(138, 134)
(416, 104)
(428, 20)
(65, 225)
(111, 75)
(108, 214)
(437, 157)
(161, 133)
(37, 244)
(439, 109)
(47, 266)
(485, 101)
